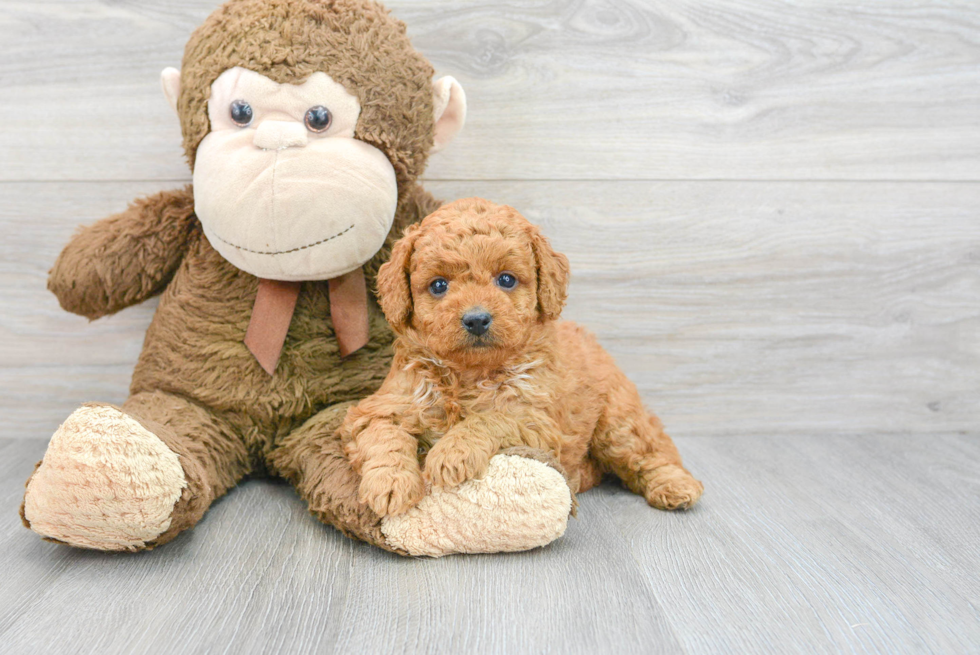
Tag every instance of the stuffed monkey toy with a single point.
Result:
(306, 124)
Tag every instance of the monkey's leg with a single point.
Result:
(312, 458)
(631, 443)
(132, 478)
(521, 503)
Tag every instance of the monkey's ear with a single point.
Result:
(449, 110)
(394, 281)
(170, 81)
(552, 277)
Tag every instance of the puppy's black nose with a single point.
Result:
(477, 321)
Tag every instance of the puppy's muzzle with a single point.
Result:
(477, 321)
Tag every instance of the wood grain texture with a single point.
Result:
(819, 545)
(741, 308)
(813, 544)
(558, 89)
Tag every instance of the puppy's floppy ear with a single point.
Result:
(394, 283)
(552, 276)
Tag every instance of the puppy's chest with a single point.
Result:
(438, 409)
(438, 417)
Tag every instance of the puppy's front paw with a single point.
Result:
(452, 462)
(389, 490)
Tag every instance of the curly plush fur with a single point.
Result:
(197, 388)
(460, 397)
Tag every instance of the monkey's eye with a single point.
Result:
(318, 118)
(241, 113)
(506, 281)
(438, 287)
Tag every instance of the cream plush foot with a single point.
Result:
(105, 482)
(520, 504)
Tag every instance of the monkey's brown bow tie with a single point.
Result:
(276, 302)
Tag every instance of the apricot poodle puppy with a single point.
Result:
(482, 364)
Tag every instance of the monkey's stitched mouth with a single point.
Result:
(284, 252)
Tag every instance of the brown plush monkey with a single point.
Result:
(306, 124)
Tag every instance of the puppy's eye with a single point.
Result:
(507, 281)
(241, 113)
(438, 287)
(318, 118)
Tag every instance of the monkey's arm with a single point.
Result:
(126, 258)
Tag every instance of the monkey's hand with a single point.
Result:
(126, 258)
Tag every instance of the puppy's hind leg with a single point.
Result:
(631, 442)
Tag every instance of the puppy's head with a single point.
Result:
(472, 282)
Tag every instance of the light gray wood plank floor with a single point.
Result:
(815, 544)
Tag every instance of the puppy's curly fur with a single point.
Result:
(456, 396)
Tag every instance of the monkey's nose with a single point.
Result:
(477, 321)
(278, 135)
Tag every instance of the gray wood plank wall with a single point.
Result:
(772, 209)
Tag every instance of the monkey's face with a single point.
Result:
(303, 120)
(282, 188)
